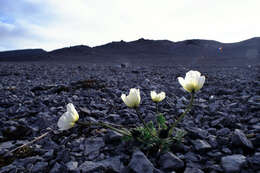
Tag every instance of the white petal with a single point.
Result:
(133, 99)
(201, 81)
(64, 122)
(162, 96)
(71, 109)
(123, 97)
(139, 96)
(181, 81)
(153, 94)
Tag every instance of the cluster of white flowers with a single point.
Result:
(192, 82)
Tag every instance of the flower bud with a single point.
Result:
(69, 118)
(193, 81)
(157, 97)
(133, 99)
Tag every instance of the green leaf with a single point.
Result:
(150, 125)
(126, 138)
(161, 121)
(179, 135)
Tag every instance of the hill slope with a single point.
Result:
(194, 51)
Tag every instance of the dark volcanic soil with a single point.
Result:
(223, 126)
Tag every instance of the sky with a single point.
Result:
(53, 24)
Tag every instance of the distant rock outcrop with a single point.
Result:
(192, 52)
(23, 55)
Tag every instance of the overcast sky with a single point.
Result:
(52, 24)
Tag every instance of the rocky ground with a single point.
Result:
(223, 126)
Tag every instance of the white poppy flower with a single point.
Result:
(157, 97)
(193, 81)
(133, 99)
(69, 118)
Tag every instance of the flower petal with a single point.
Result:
(71, 109)
(162, 96)
(201, 81)
(153, 94)
(64, 122)
(181, 81)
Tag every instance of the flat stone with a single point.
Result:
(112, 164)
(255, 161)
(239, 139)
(113, 137)
(140, 164)
(195, 133)
(223, 132)
(170, 162)
(39, 167)
(193, 170)
(72, 165)
(201, 145)
(57, 168)
(233, 163)
(8, 168)
(93, 145)
(90, 166)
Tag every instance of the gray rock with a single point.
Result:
(213, 141)
(140, 164)
(254, 100)
(190, 156)
(233, 163)
(40, 166)
(223, 132)
(63, 155)
(239, 139)
(170, 162)
(112, 164)
(113, 117)
(256, 141)
(49, 154)
(28, 160)
(193, 170)
(113, 137)
(7, 145)
(90, 166)
(57, 168)
(8, 168)
(93, 145)
(72, 165)
(216, 122)
(201, 145)
(195, 133)
(255, 161)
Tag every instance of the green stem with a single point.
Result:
(157, 108)
(157, 113)
(143, 122)
(182, 115)
(106, 125)
(141, 118)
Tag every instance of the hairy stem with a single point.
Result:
(31, 142)
(105, 125)
(157, 113)
(157, 108)
(141, 118)
(143, 122)
(188, 108)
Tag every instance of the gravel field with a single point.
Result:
(223, 126)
